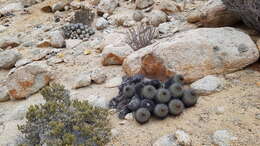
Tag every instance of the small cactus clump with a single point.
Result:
(77, 31)
(146, 97)
(61, 121)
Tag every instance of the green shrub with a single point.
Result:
(61, 121)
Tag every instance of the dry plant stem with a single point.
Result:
(140, 36)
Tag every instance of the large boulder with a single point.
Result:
(8, 58)
(213, 14)
(194, 54)
(28, 79)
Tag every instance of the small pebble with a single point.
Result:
(220, 110)
(257, 116)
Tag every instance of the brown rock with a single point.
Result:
(213, 14)
(44, 44)
(194, 54)
(115, 55)
(46, 9)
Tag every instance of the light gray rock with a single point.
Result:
(107, 6)
(57, 39)
(141, 4)
(115, 132)
(9, 42)
(101, 23)
(11, 7)
(98, 101)
(167, 140)
(257, 116)
(157, 17)
(81, 80)
(2, 28)
(28, 79)
(220, 110)
(98, 76)
(72, 43)
(129, 117)
(207, 85)
(138, 15)
(22, 62)
(4, 94)
(182, 138)
(222, 138)
(194, 54)
(8, 58)
(59, 6)
(114, 82)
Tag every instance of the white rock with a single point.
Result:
(72, 43)
(115, 132)
(157, 17)
(129, 117)
(2, 28)
(183, 138)
(57, 39)
(81, 80)
(207, 85)
(114, 82)
(167, 140)
(8, 58)
(98, 76)
(98, 101)
(22, 62)
(59, 6)
(257, 116)
(222, 138)
(4, 94)
(220, 110)
(101, 23)
(12, 7)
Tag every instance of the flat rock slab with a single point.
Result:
(194, 54)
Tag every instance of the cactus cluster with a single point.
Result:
(77, 31)
(146, 97)
(61, 121)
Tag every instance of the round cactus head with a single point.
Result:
(176, 107)
(189, 98)
(178, 79)
(176, 90)
(134, 104)
(129, 91)
(163, 95)
(161, 110)
(142, 115)
(148, 92)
